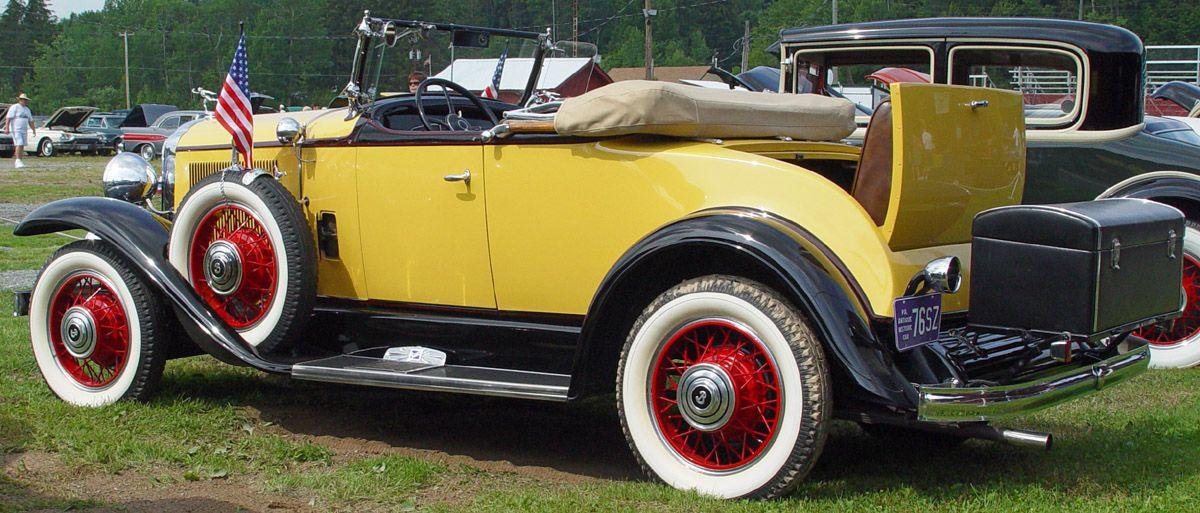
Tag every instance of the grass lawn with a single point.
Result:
(46, 179)
(18, 253)
(1130, 448)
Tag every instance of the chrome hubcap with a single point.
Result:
(78, 331)
(223, 268)
(706, 397)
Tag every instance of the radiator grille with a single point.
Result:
(200, 170)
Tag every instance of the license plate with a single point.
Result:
(918, 320)
(85, 147)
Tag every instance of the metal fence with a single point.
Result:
(1032, 81)
(1165, 63)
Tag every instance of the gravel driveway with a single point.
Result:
(15, 211)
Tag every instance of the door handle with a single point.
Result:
(464, 177)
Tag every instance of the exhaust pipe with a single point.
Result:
(1024, 438)
(1018, 437)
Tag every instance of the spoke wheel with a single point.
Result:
(1186, 326)
(716, 395)
(245, 246)
(89, 330)
(99, 333)
(722, 389)
(233, 265)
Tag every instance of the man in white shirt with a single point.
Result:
(18, 121)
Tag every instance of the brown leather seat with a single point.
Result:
(873, 180)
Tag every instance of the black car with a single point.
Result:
(1084, 90)
(106, 125)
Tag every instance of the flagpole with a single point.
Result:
(235, 161)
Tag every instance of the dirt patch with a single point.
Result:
(564, 443)
(44, 478)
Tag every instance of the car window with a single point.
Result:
(853, 73)
(92, 123)
(1047, 79)
(171, 123)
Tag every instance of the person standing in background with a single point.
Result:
(18, 121)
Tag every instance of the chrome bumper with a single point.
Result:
(971, 404)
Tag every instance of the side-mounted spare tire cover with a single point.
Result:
(245, 247)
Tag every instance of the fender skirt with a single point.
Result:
(142, 237)
(815, 277)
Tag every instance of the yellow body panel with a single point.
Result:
(424, 239)
(946, 172)
(541, 224)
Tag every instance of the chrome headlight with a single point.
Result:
(128, 177)
(67, 138)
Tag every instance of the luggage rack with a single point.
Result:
(368, 367)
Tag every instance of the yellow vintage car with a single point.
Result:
(720, 263)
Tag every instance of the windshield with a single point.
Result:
(471, 59)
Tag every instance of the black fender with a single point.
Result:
(142, 238)
(815, 279)
(1160, 185)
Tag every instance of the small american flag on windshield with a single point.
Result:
(493, 90)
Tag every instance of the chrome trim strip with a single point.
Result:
(971, 404)
(421, 379)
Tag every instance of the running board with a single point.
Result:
(377, 372)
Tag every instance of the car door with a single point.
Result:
(423, 225)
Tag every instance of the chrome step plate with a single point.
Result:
(369, 371)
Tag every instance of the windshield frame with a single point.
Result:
(386, 31)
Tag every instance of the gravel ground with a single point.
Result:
(17, 280)
(15, 211)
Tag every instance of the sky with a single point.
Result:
(64, 8)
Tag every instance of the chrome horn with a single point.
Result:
(128, 177)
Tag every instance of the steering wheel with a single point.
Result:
(452, 119)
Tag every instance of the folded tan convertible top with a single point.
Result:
(664, 108)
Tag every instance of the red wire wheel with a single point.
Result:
(246, 253)
(1186, 326)
(716, 395)
(89, 330)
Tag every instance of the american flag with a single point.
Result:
(493, 90)
(233, 105)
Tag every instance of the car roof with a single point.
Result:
(1090, 37)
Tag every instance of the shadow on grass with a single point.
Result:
(1137, 453)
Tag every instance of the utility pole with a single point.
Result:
(746, 48)
(835, 11)
(553, 20)
(648, 13)
(125, 36)
(1080, 10)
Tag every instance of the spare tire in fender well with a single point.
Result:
(759, 246)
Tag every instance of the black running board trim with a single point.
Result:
(361, 370)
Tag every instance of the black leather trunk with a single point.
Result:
(1090, 269)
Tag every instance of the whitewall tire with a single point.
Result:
(99, 334)
(1177, 344)
(248, 252)
(722, 389)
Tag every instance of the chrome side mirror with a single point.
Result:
(288, 131)
(129, 177)
(944, 274)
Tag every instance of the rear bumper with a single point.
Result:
(972, 404)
